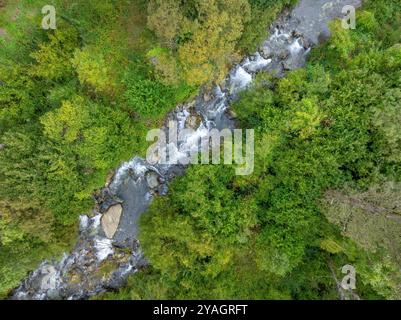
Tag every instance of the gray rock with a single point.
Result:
(162, 190)
(48, 280)
(266, 52)
(104, 200)
(54, 294)
(284, 54)
(152, 179)
(111, 219)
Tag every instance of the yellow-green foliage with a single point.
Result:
(211, 49)
(53, 57)
(164, 18)
(205, 43)
(93, 70)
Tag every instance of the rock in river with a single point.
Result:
(152, 179)
(111, 219)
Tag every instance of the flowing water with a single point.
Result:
(81, 273)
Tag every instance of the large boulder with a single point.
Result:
(111, 219)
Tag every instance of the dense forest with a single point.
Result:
(77, 101)
(325, 191)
